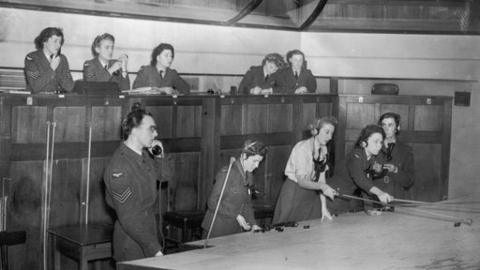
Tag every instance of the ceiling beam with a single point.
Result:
(252, 5)
(318, 9)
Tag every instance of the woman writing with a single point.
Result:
(159, 74)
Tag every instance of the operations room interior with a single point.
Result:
(417, 59)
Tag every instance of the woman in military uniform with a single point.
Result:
(46, 69)
(235, 213)
(396, 158)
(295, 79)
(102, 68)
(131, 184)
(299, 197)
(361, 165)
(159, 74)
(258, 79)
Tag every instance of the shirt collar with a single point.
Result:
(131, 154)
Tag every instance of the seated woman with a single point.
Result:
(235, 213)
(299, 197)
(159, 74)
(46, 69)
(295, 79)
(102, 68)
(362, 165)
(258, 79)
(396, 157)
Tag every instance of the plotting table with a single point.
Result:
(404, 239)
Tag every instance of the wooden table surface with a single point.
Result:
(396, 241)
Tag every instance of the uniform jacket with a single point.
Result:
(357, 165)
(40, 76)
(397, 184)
(93, 71)
(235, 201)
(255, 77)
(130, 182)
(286, 83)
(150, 76)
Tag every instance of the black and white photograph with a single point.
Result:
(239, 134)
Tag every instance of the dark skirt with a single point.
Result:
(296, 203)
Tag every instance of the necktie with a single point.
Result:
(106, 67)
(295, 74)
(51, 57)
(266, 77)
(161, 73)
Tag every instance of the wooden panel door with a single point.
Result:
(425, 125)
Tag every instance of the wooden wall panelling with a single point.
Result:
(231, 119)
(163, 116)
(184, 187)
(280, 118)
(106, 123)
(98, 210)
(446, 140)
(428, 164)
(255, 117)
(29, 124)
(65, 192)
(24, 213)
(275, 162)
(210, 148)
(70, 123)
(189, 121)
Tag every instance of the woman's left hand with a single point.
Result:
(301, 90)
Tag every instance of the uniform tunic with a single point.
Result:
(397, 184)
(294, 202)
(255, 77)
(42, 78)
(150, 76)
(93, 71)
(130, 182)
(285, 81)
(235, 201)
(357, 166)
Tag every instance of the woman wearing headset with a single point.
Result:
(299, 197)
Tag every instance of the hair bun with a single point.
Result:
(136, 107)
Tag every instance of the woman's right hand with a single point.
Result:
(256, 90)
(243, 223)
(385, 197)
(329, 192)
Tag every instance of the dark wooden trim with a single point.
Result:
(313, 16)
(447, 131)
(271, 139)
(394, 99)
(253, 4)
(318, 77)
(210, 149)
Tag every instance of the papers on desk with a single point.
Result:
(148, 90)
(14, 90)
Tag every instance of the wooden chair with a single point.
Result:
(82, 243)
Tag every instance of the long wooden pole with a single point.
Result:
(232, 160)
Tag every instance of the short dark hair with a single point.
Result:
(395, 116)
(158, 50)
(254, 147)
(98, 39)
(296, 52)
(275, 58)
(46, 34)
(367, 132)
(133, 119)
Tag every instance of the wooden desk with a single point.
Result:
(82, 243)
(396, 240)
